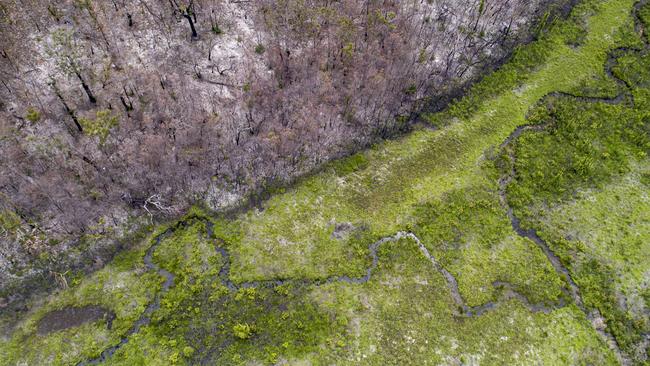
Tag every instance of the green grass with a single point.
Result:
(405, 315)
(470, 235)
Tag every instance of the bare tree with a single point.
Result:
(187, 11)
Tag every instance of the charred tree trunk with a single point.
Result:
(187, 15)
(68, 110)
(89, 92)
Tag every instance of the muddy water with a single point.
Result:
(73, 317)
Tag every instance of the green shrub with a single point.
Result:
(633, 68)
(412, 89)
(350, 164)
(100, 126)
(260, 49)
(188, 351)
(243, 331)
(9, 221)
(32, 115)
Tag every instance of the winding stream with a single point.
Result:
(561, 269)
(224, 277)
(145, 318)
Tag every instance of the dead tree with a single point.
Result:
(187, 12)
(67, 55)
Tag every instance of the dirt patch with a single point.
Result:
(73, 317)
(341, 230)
